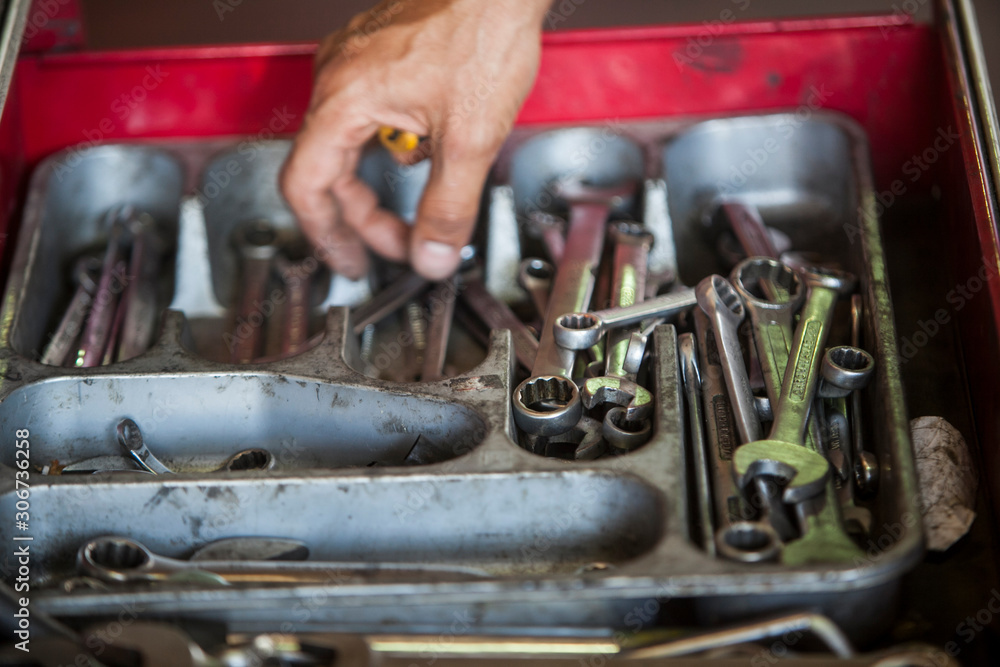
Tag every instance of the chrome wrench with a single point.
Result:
(626, 426)
(737, 535)
(441, 306)
(120, 559)
(130, 439)
(296, 277)
(823, 537)
(724, 307)
(86, 273)
(139, 301)
(256, 243)
(102, 312)
(535, 277)
(548, 403)
(582, 330)
(784, 454)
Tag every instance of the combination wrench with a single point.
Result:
(138, 324)
(737, 535)
(120, 559)
(95, 336)
(441, 305)
(582, 330)
(822, 537)
(625, 426)
(86, 273)
(535, 277)
(548, 403)
(725, 309)
(784, 454)
(256, 243)
(296, 277)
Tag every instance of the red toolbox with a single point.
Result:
(918, 91)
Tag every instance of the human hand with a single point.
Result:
(455, 71)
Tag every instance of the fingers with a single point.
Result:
(449, 207)
(336, 211)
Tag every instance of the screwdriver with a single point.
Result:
(398, 141)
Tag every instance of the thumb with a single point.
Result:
(450, 205)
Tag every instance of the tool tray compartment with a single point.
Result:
(813, 139)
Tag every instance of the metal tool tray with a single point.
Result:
(564, 544)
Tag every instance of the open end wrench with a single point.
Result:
(130, 438)
(256, 243)
(120, 559)
(535, 277)
(548, 402)
(95, 336)
(737, 535)
(86, 273)
(725, 309)
(784, 453)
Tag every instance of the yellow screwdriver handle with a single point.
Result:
(398, 141)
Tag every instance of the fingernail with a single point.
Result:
(438, 249)
(436, 260)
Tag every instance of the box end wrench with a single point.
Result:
(548, 403)
(784, 453)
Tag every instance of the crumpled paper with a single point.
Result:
(948, 481)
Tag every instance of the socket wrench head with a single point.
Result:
(547, 405)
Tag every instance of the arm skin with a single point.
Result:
(456, 71)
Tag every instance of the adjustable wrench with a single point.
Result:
(85, 275)
(822, 530)
(548, 402)
(725, 309)
(784, 453)
(628, 429)
(736, 536)
(296, 277)
(256, 243)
